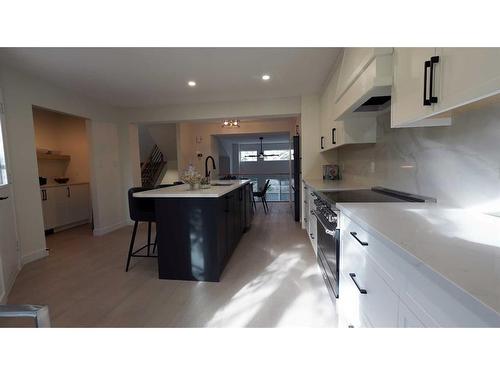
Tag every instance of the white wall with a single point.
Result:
(207, 132)
(21, 92)
(129, 160)
(216, 110)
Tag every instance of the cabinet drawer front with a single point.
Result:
(390, 263)
(438, 302)
(407, 319)
(380, 304)
(348, 302)
(368, 295)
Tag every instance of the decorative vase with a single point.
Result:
(194, 186)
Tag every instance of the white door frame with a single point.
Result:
(10, 189)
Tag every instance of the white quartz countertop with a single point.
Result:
(333, 185)
(182, 191)
(461, 245)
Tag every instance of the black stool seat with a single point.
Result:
(141, 210)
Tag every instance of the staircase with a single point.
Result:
(152, 168)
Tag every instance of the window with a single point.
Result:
(3, 167)
(248, 156)
(279, 190)
(276, 155)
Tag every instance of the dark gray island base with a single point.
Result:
(197, 235)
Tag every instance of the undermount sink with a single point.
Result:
(222, 183)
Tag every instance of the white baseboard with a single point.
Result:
(39, 254)
(109, 228)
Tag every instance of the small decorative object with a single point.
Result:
(205, 183)
(331, 172)
(192, 178)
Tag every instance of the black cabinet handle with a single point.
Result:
(353, 275)
(44, 195)
(427, 65)
(322, 138)
(3, 198)
(432, 98)
(355, 235)
(69, 191)
(333, 136)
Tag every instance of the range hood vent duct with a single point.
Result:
(375, 104)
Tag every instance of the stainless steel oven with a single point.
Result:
(328, 242)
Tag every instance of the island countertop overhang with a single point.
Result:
(183, 191)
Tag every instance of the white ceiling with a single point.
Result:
(142, 77)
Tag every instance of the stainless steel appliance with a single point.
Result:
(328, 244)
(296, 176)
(328, 219)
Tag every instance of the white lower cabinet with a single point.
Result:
(380, 286)
(65, 205)
(48, 208)
(366, 294)
(312, 227)
(79, 203)
(407, 319)
(309, 219)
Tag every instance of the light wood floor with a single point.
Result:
(272, 280)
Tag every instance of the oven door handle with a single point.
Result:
(328, 231)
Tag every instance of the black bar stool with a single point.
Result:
(262, 195)
(141, 209)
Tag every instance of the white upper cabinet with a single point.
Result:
(338, 133)
(412, 102)
(468, 74)
(429, 82)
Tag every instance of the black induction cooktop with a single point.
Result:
(376, 194)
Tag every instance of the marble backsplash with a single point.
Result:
(459, 164)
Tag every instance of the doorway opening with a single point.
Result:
(158, 154)
(259, 157)
(63, 157)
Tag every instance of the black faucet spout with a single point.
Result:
(207, 173)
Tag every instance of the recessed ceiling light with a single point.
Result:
(266, 77)
(192, 83)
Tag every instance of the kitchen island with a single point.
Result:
(198, 230)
